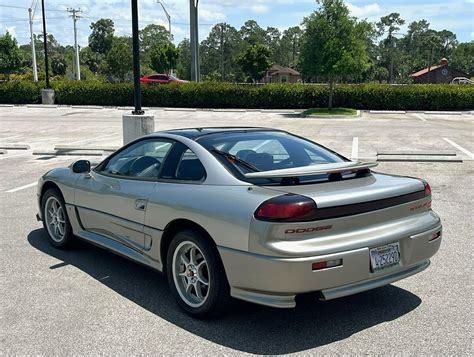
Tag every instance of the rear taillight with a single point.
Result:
(427, 188)
(287, 208)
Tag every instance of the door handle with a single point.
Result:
(140, 205)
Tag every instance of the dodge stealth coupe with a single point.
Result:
(257, 214)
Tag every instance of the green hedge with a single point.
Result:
(227, 95)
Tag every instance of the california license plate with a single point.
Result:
(384, 257)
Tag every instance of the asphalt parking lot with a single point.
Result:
(88, 301)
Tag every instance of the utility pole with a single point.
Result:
(168, 17)
(76, 47)
(194, 34)
(31, 14)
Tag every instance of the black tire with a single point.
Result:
(67, 239)
(218, 295)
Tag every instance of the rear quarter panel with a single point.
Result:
(225, 212)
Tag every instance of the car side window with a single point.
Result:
(140, 160)
(189, 167)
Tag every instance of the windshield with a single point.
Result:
(245, 152)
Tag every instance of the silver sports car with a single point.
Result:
(257, 214)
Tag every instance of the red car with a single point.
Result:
(161, 79)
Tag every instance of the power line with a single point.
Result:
(25, 8)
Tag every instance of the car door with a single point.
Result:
(112, 200)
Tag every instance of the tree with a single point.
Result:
(331, 44)
(152, 36)
(118, 61)
(58, 65)
(10, 57)
(219, 52)
(90, 59)
(255, 61)
(290, 46)
(252, 33)
(463, 58)
(164, 58)
(183, 65)
(101, 38)
(390, 24)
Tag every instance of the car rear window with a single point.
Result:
(267, 151)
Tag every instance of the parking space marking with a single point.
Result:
(22, 187)
(419, 116)
(355, 148)
(460, 148)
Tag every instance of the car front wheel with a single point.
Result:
(55, 219)
(195, 274)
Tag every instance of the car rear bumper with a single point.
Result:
(276, 281)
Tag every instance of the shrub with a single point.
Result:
(20, 92)
(228, 95)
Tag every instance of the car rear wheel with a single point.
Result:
(55, 219)
(196, 275)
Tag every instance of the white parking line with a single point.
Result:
(419, 116)
(21, 187)
(355, 148)
(460, 148)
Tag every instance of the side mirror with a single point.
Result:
(81, 166)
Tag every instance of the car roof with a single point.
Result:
(196, 133)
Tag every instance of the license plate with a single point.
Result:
(384, 257)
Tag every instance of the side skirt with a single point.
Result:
(110, 244)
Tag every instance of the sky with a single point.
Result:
(454, 15)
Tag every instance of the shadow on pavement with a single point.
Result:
(246, 327)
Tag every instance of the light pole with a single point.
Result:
(136, 124)
(167, 16)
(193, 24)
(45, 45)
(31, 14)
(47, 94)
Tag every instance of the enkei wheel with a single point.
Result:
(55, 219)
(196, 275)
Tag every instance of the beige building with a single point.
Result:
(280, 74)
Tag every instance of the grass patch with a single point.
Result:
(327, 111)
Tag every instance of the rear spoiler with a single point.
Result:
(313, 170)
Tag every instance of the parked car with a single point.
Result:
(257, 214)
(161, 79)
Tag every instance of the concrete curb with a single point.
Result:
(410, 158)
(14, 146)
(387, 112)
(418, 153)
(42, 106)
(6, 105)
(87, 107)
(358, 115)
(85, 148)
(68, 153)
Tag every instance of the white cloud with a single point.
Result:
(472, 34)
(260, 9)
(365, 10)
(11, 30)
